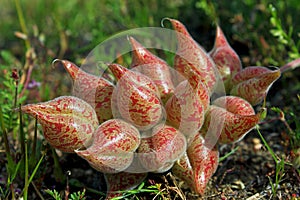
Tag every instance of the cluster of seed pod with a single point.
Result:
(146, 123)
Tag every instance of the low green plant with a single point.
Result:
(279, 163)
(152, 189)
(293, 133)
(79, 195)
(294, 145)
(23, 156)
(284, 38)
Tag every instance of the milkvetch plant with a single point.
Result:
(154, 118)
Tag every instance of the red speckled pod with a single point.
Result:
(238, 119)
(137, 98)
(94, 90)
(114, 143)
(198, 165)
(185, 109)
(153, 67)
(68, 122)
(227, 61)
(191, 57)
(157, 153)
(200, 90)
(121, 182)
(253, 83)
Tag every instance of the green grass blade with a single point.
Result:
(36, 168)
(267, 145)
(229, 154)
(21, 131)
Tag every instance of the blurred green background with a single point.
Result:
(262, 32)
(84, 24)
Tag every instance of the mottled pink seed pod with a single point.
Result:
(253, 83)
(191, 57)
(137, 98)
(94, 90)
(113, 147)
(158, 152)
(153, 67)
(238, 119)
(68, 122)
(185, 109)
(226, 59)
(198, 164)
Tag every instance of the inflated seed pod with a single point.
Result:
(68, 122)
(226, 59)
(191, 57)
(153, 67)
(232, 116)
(137, 98)
(95, 90)
(113, 146)
(253, 83)
(197, 165)
(185, 109)
(158, 152)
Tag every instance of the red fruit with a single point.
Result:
(229, 119)
(137, 98)
(198, 165)
(113, 147)
(94, 90)
(68, 122)
(158, 153)
(185, 109)
(227, 61)
(192, 59)
(253, 83)
(153, 67)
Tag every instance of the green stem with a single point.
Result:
(266, 144)
(228, 154)
(32, 160)
(34, 138)
(22, 135)
(25, 194)
(36, 168)
(22, 22)
(28, 181)
(58, 173)
(16, 96)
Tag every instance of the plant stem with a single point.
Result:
(16, 96)
(58, 173)
(22, 22)
(25, 194)
(34, 139)
(228, 154)
(36, 168)
(32, 160)
(37, 191)
(28, 181)
(22, 135)
(266, 144)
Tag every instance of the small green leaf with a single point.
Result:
(54, 194)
